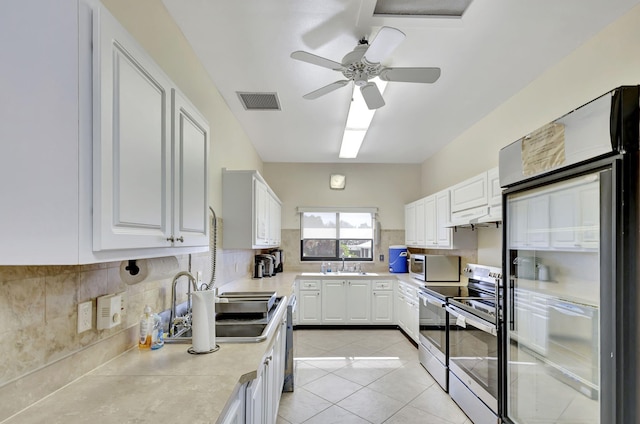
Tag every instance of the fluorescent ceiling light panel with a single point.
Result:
(351, 142)
(358, 121)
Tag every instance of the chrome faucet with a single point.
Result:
(184, 321)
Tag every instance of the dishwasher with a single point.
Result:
(288, 355)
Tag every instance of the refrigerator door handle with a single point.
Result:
(512, 301)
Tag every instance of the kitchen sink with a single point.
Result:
(240, 327)
(339, 274)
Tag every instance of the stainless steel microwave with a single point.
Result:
(431, 268)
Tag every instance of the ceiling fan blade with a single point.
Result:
(386, 41)
(424, 75)
(326, 89)
(372, 96)
(317, 60)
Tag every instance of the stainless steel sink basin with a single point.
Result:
(234, 328)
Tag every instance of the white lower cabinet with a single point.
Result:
(309, 302)
(264, 392)
(382, 302)
(345, 302)
(236, 410)
(407, 307)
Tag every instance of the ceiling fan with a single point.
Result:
(364, 63)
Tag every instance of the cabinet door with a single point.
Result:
(470, 193)
(333, 301)
(382, 307)
(261, 214)
(274, 221)
(421, 230)
(190, 167)
(495, 191)
(431, 222)
(235, 413)
(255, 399)
(444, 235)
(310, 307)
(359, 301)
(132, 145)
(410, 224)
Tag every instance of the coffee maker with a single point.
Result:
(278, 255)
(268, 263)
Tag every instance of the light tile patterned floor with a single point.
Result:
(362, 377)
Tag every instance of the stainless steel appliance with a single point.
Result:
(433, 336)
(288, 354)
(570, 202)
(473, 344)
(431, 268)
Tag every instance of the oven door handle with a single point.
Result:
(432, 300)
(480, 324)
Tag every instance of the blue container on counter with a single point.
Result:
(397, 259)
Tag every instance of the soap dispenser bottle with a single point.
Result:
(146, 329)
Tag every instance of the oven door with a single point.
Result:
(433, 337)
(473, 354)
(433, 325)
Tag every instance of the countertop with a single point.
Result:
(169, 384)
(165, 385)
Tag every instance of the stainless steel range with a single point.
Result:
(473, 344)
(433, 317)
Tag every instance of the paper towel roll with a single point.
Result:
(203, 321)
(149, 269)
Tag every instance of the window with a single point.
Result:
(334, 235)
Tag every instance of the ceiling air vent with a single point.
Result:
(259, 101)
(421, 8)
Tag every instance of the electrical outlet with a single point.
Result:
(381, 258)
(84, 316)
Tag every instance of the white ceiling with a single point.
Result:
(491, 53)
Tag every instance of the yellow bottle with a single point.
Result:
(146, 329)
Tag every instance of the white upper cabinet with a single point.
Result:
(132, 142)
(469, 200)
(495, 194)
(470, 193)
(251, 211)
(429, 217)
(48, 159)
(190, 173)
(410, 224)
(150, 150)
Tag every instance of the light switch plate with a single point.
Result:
(85, 316)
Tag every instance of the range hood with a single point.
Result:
(483, 216)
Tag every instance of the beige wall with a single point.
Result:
(606, 61)
(150, 23)
(387, 187)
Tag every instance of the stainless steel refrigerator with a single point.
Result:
(569, 321)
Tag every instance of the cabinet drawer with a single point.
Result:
(382, 285)
(309, 284)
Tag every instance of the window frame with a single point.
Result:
(338, 239)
